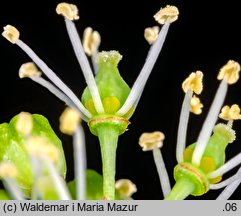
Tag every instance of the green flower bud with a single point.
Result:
(12, 148)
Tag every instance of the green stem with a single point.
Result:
(182, 189)
(108, 128)
(108, 137)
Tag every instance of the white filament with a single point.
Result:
(162, 172)
(53, 77)
(59, 183)
(79, 162)
(84, 64)
(59, 94)
(145, 72)
(209, 123)
(13, 188)
(226, 167)
(182, 127)
(229, 190)
(228, 181)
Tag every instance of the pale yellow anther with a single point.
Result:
(11, 33)
(8, 170)
(69, 121)
(230, 113)
(24, 123)
(69, 11)
(151, 34)
(40, 147)
(167, 14)
(196, 105)
(29, 70)
(150, 141)
(125, 187)
(230, 72)
(193, 82)
(91, 41)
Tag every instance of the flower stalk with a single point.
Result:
(108, 129)
(108, 137)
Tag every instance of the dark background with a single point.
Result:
(204, 38)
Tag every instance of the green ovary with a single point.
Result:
(214, 154)
(112, 88)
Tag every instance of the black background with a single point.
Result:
(204, 38)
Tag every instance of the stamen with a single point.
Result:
(230, 123)
(69, 11)
(10, 33)
(84, 64)
(193, 82)
(226, 167)
(167, 14)
(24, 123)
(151, 34)
(40, 162)
(145, 72)
(59, 183)
(59, 94)
(91, 41)
(150, 141)
(94, 64)
(125, 187)
(69, 121)
(230, 113)
(8, 173)
(132, 110)
(69, 124)
(80, 162)
(182, 127)
(13, 189)
(162, 172)
(37, 173)
(154, 141)
(209, 123)
(29, 70)
(229, 190)
(230, 72)
(53, 77)
(40, 147)
(8, 170)
(196, 105)
(228, 181)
